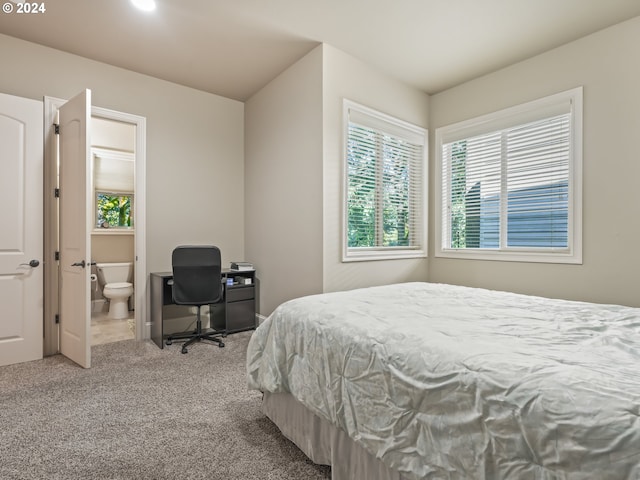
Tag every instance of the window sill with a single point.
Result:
(504, 256)
(383, 255)
(113, 231)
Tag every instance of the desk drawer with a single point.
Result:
(241, 316)
(236, 294)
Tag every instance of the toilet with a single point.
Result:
(117, 287)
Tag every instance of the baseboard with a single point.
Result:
(260, 318)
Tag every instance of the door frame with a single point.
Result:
(51, 219)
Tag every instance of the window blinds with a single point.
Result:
(385, 184)
(509, 188)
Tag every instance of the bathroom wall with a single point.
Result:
(106, 246)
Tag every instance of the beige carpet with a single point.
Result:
(142, 413)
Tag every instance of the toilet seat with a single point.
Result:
(119, 285)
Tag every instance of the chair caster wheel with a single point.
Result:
(184, 350)
(220, 345)
(168, 342)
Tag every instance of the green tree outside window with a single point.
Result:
(114, 210)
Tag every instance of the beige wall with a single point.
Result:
(283, 162)
(294, 176)
(606, 64)
(112, 247)
(290, 219)
(195, 144)
(347, 77)
(112, 134)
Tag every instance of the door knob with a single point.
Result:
(78, 264)
(33, 263)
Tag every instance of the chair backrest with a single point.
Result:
(197, 275)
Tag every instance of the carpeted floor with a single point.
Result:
(142, 413)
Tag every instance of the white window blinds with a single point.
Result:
(512, 189)
(385, 186)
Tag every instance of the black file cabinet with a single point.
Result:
(236, 312)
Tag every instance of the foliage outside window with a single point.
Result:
(114, 210)
(385, 186)
(510, 183)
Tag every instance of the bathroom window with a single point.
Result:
(114, 210)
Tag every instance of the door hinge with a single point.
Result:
(56, 128)
(56, 192)
(57, 317)
(56, 256)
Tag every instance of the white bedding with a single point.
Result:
(446, 382)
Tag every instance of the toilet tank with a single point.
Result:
(114, 272)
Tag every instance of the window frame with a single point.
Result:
(394, 127)
(571, 101)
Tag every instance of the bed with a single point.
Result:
(432, 381)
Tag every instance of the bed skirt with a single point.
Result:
(323, 443)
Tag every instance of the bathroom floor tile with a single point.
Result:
(107, 330)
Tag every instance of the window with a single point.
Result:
(114, 210)
(385, 186)
(113, 186)
(510, 183)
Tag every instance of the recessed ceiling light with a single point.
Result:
(145, 5)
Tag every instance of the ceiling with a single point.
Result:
(234, 47)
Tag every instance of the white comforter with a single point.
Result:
(446, 382)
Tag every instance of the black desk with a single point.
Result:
(236, 313)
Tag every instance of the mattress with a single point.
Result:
(448, 382)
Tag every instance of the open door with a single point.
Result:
(75, 218)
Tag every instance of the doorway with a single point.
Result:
(113, 229)
(106, 147)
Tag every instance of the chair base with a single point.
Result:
(196, 336)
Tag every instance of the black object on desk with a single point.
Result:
(236, 313)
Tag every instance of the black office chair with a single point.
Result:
(197, 280)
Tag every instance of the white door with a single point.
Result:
(21, 290)
(75, 218)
